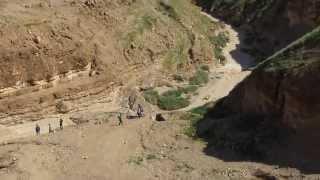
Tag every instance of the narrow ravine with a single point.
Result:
(224, 78)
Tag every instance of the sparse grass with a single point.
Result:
(188, 89)
(184, 167)
(151, 157)
(172, 100)
(201, 77)
(137, 160)
(205, 68)
(142, 23)
(151, 96)
(190, 130)
(177, 57)
(168, 10)
(219, 42)
(193, 116)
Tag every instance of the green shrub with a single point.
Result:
(191, 130)
(201, 77)
(205, 68)
(202, 110)
(220, 40)
(151, 96)
(137, 160)
(172, 100)
(193, 116)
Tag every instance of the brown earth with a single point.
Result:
(92, 145)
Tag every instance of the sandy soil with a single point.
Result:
(94, 147)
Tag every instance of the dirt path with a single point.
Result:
(225, 78)
(103, 104)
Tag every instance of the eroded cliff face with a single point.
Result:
(276, 106)
(290, 96)
(44, 42)
(270, 24)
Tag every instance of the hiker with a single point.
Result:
(140, 111)
(50, 129)
(37, 129)
(61, 123)
(120, 119)
(132, 100)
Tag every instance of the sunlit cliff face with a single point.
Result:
(304, 12)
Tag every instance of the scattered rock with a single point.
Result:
(62, 107)
(206, 98)
(97, 118)
(14, 159)
(84, 157)
(79, 119)
(263, 175)
(159, 117)
(37, 39)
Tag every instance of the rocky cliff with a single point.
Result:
(285, 85)
(270, 24)
(44, 41)
(277, 104)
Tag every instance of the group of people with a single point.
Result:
(51, 130)
(140, 113)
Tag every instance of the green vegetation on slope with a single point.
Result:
(304, 51)
(172, 32)
(193, 117)
(201, 77)
(170, 100)
(219, 41)
(151, 96)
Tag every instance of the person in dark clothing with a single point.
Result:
(61, 123)
(37, 129)
(131, 101)
(120, 119)
(140, 111)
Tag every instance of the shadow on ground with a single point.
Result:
(235, 137)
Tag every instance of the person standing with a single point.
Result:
(61, 123)
(131, 101)
(37, 129)
(50, 129)
(120, 119)
(140, 111)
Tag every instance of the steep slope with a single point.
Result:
(42, 39)
(278, 102)
(287, 87)
(53, 50)
(270, 24)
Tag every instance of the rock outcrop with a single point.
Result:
(276, 106)
(270, 24)
(284, 86)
